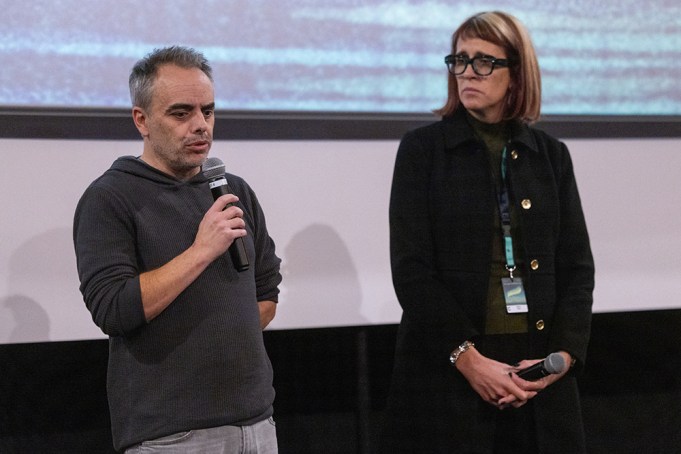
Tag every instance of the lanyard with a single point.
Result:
(505, 213)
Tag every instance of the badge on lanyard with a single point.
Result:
(514, 295)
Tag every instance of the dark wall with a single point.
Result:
(116, 124)
(332, 384)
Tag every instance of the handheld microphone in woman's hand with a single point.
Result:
(552, 364)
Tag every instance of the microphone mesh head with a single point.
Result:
(213, 168)
(554, 363)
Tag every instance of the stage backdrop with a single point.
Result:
(327, 210)
(327, 201)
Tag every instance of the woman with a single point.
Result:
(491, 263)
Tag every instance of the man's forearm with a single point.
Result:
(161, 286)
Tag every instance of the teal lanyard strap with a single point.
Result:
(505, 213)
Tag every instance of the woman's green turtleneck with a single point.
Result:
(498, 321)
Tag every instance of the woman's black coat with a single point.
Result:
(442, 208)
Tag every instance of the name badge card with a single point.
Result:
(514, 295)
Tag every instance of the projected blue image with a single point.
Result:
(616, 58)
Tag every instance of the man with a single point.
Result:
(188, 371)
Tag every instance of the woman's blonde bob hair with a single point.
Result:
(523, 100)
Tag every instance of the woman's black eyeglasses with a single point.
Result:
(483, 65)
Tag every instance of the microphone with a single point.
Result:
(214, 171)
(552, 364)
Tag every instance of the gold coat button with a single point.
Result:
(514, 154)
(534, 264)
(539, 325)
(526, 204)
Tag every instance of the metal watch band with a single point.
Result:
(454, 356)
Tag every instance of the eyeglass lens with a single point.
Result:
(482, 66)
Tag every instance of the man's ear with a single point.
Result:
(140, 119)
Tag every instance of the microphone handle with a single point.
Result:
(534, 372)
(238, 253)
(238, 249)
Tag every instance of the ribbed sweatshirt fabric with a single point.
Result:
(201, 363)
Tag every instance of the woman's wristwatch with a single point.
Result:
(454, 356)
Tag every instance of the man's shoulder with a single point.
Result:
(239, 185)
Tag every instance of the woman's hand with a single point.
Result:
(493, 380)
(542, 383)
